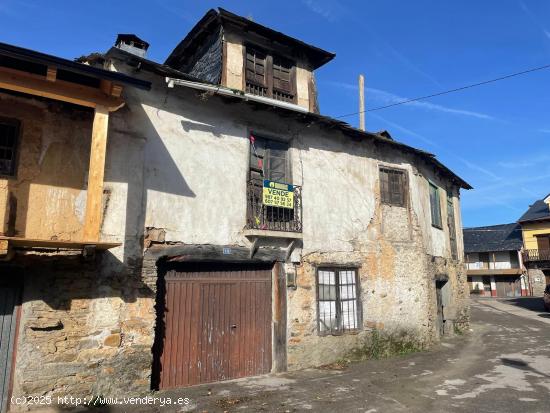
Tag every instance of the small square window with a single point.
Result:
(393, 187)
(337, 301)
(9, 137)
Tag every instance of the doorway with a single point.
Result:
(216, 324)
(10, 295)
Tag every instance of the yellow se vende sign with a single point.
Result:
(278, 195)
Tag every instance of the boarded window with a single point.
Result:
(338, 301)
(9, 136)
(435, 206)
(452, 226)
(393, 186)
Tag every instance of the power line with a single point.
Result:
(458, 89)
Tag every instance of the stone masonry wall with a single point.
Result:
(84, 331)
(537, 281)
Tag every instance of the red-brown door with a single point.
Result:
(217, 324)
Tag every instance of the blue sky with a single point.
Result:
(497, 137)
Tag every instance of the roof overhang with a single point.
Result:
(213, 19)
(303, 115)
(38, 74)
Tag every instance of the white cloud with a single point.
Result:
(387, 98)
(330, 10)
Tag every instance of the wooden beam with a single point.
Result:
(51, 75)
(94, 202)
(18, 242)
(116, 90)
(36, 85)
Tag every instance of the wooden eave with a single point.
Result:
(18, 242)
(108, 95)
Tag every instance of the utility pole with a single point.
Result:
(362, 102)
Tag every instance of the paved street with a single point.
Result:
(502, 366)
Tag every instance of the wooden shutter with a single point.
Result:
(543, 242)
(392, 186)
(435, 206)
(255, 66)
(282, 75)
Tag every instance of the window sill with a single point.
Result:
(345, 333)
(435, 226)
(265, 233)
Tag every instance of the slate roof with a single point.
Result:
(216, 17)
(536, 212)
(505, 237)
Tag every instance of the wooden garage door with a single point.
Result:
(508, 286)
(217, 324)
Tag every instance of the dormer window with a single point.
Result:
(269, 76)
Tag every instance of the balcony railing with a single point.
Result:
(269, 218)
(536, 255)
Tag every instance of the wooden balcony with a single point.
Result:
(536, 255)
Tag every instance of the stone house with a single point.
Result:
(535, 227)
(199, 220)
(494, 261)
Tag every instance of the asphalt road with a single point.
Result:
(502, 365)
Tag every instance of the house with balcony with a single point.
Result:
(535, 227)
(242, 232)
(494, 262)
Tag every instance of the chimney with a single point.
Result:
(132, 44)
(547, 201)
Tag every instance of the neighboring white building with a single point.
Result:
(494, 261)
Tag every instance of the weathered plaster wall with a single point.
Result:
(304, 77)
(177, 160)
(234, 67)
(344, 223)
(50, 183)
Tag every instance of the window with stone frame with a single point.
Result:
(393, 186)
(9, 143)
(338, 305)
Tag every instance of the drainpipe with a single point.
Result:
(224, 91)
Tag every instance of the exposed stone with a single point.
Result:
(113, 340)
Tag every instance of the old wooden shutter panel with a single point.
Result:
(543, 242)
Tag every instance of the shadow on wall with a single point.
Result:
(68, 283)
(150, 167)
